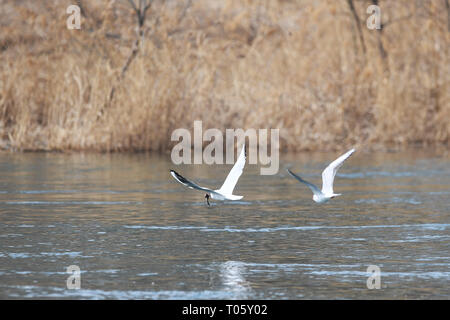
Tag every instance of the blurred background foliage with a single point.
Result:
(137, 70)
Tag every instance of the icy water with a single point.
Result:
(135, 233)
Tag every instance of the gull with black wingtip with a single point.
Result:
(226, 191)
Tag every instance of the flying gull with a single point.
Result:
(327, 193)
(226, 191)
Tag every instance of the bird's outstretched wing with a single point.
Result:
(233, 177)
(329, 173)
(188, 183)
(313, 188)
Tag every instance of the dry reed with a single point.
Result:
(300, 66)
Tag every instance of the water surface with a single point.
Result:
(136, 233)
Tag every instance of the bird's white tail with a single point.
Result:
(233, 197)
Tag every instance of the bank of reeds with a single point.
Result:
(311, 68)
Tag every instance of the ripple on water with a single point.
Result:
(428, 226)
(69, 203)
(29, 292)
(389, 200)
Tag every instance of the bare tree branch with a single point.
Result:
(131, 2)
(141, 13)
(358, 24)
(141, 10)
(381, 49)
(81, 6)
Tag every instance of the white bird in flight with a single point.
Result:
(328, 174)
(226, 191)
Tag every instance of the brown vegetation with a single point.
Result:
(311, 68)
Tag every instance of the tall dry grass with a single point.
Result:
(300, 66)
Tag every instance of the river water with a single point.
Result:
(136, 233)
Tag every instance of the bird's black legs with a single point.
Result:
(207, 199)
